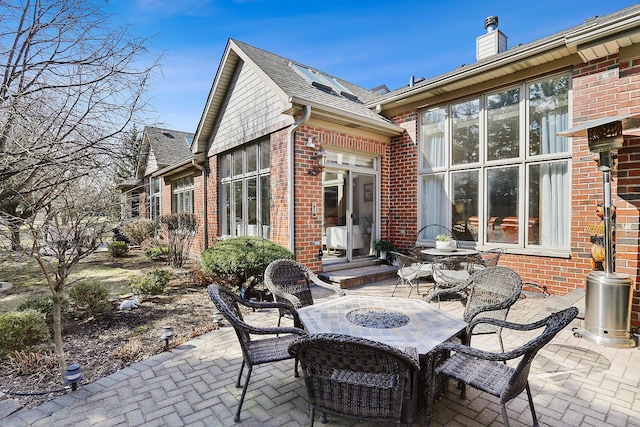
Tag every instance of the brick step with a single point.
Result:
(359, 276)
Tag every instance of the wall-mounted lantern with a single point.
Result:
(321, 160)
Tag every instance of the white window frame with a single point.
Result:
(242, 227)
(523, 161)
(182, 189)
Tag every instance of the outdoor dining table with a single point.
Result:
(399, 322)
(455, 252)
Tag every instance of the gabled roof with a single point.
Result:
(294, 91)
(594, 38)
(167, 146)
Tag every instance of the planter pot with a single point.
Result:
(383, 254)
(451, 245)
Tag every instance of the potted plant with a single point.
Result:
(445, 242)
(383, 247)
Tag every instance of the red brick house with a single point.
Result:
(322, 166)
(163, 181)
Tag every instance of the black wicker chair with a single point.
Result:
(254, 352)
(357, 378)
(489, 292)
(290, 282)
(489, 372)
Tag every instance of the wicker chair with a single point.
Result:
(409, 272)
(488, 292)
(357, 378)
(486, 371)
(489, 258)
(450, 273)
(290, 282)
(254, 352)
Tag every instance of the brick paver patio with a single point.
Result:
(574, 383)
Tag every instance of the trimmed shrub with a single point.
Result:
(156, 253)
(44, 305)
(22, 329)
(151, 283)
(240, 261)
(138, 231)
(90, 297)
(118, 249)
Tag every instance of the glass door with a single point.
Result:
(349, 215)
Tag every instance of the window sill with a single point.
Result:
(541, 252)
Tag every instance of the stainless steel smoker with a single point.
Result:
(608, 295)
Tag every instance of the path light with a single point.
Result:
(217, 318)
(167, 334)
(73, 375)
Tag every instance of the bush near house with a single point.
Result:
(118, 249)
(22, 329)
(138, 231)
(90, 298)
(44, 305)
(240, 261)
(152, 283)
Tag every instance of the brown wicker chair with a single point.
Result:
(290, 282)
(486, 371)
(254, 352)
(489, 292)
(357, 378)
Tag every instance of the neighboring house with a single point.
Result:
(164, 178)
(324, 167)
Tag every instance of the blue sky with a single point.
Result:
(365, 42)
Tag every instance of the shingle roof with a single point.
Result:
(294, 85)
(168, 146)
(561, 35)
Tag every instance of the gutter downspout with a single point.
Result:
(205, 222)
(291, 195)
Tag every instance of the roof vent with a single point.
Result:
(491, 23)
(491, 43)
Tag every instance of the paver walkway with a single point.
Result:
(574, 383)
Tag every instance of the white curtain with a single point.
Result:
(433, 210)
(554, 182)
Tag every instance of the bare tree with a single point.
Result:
(63, 232)
(70, 84)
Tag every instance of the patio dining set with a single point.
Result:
(383, 359)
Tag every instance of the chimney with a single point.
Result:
(491, 43)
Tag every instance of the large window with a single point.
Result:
(245, 191)
(493, 169)
(154, 198)
(182, 197)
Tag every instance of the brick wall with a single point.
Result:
(600, 88)
(308, 188)
(279, 188)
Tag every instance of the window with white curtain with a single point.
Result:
(154, 198)
(245, 191)
(493, 169)
(182, 198)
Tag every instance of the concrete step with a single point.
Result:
(351, 277)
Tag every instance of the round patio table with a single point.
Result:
(455, 252)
